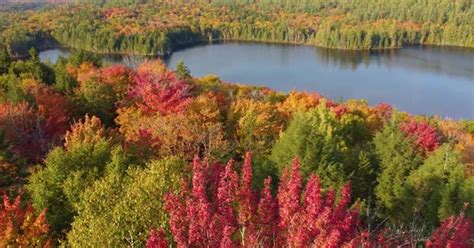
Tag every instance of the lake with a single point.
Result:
(420, 80)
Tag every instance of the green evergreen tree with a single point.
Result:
(314, 137)
(397, 158)
(182, 71)
(32, 68)
(34, 56)
(440, 187)
(63, 80)
(5, 59)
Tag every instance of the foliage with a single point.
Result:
(397, 158)
(161, 27)
(257, 125)
(194, 130)
(455, 231)
(64, 81)
(20, 226)
(464, 142)
(424, 135)
(182, 71)
(32, 130)
(70, 170)
(5, 59)
(32, 68)
(315, 137)
(204, 215)
(119, 209)
(160, 91)
(320, 140)
(103, 180)
(156, 240)
(440, 187)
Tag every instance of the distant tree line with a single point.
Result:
(160, 27)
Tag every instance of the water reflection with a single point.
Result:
(343, 59)
(427, 58)
(131, 61)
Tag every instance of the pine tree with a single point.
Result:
(316, 139)
(397, 158)
(182, 71)
(5, 59)
(440, 187)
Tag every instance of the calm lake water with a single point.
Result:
(419, 80)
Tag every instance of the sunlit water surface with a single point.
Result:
(419, 80)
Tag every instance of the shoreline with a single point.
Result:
(203, 42)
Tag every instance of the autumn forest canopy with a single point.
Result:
(98, 155)
(160, 27)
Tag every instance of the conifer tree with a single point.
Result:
(398, 159)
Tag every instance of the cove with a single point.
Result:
(420, 80)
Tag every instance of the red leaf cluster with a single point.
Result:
(32, 129)
(160, 92)
(20, 227)
(221, 210)
(384, 110)
(52, 110)
(115, 73)
(233, 215)
(156, 239)
(423, 133)
(339, 110)
(454, 232)
(20, 128)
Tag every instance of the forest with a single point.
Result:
(100, 155)
(96, 155)
(161, 27)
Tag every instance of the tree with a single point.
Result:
(455, 231)
(119, 77)
(204, 214)
(398, 159)
(5, 59)
(158, 90)
(256, 125)
(182, 71)
(121, 208)
(316, 139)
(32, 68)
(64, 81)
(93, 96)
(69, 171)
(32, 129)
(440, 187)
(20, 129)
(9, 172)
(197, 129)
(424, 135)
(20, 226)
(299, 102)
(34, 56)
(156, 239)
(78, 57)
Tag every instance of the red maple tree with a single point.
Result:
(21, 227)
(424, 135)
(454, 232)
(160, 91)
(227, 212)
